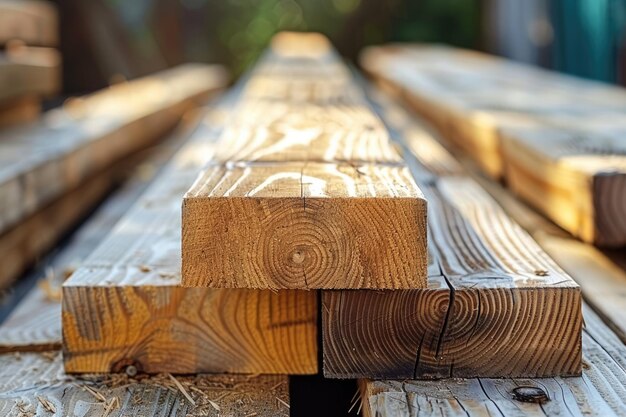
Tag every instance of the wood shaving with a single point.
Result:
(111, 405)
(214, 405)
(25, 410)
(182, 389)
(283, 402)
(50, 289)
(47, 405)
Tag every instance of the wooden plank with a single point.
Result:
(304, 225)
(33, 22)
(491, 288)
(556, 139)
(29, 71)
(602, 280)
(598, 392)
(305, 190)
(580, 176)
(35, 384)
(41, 162)
(125, 306)
(21, 245)
(19, 111)
(35, 323)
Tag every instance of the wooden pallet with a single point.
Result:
(125, 306)
(305, 190)
(491, 289)
(555, 139)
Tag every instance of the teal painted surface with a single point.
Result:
(587, 37)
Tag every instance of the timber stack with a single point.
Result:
(302, 201)
(301, 188)
(30, 66)
(555, 140)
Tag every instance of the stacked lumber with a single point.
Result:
(27, 73)
(53, 171)
(556, 140)
(36, 384)
(33, 22)
(305, 190)
(496, 304)
(124, 307)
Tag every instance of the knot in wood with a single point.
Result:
(530, 394)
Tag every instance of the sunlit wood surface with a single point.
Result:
(125, 305)
(556, 140)
(496, 305)
(305, 189)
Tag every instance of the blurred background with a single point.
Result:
(104, 41)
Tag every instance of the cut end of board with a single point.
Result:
(304, 226)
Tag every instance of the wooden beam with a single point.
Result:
(570, 177)
(29, 71)
(125, 306)
(305, 190)
(555, 139)
(598, 392)
(33, 22)
(597, 272)
(41, 162)
(35, 323)
(491, 288)
(19, 111)
(35, 384)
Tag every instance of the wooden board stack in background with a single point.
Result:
(556, 140)
(496, 304)
(305, 190)
(27, 73)
(47, 168)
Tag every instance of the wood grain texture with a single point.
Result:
(597, 271)
(556, 139)
(305, 190)
(29, 71)
(36, 234)
(35, 385)
(35, 323)
(33, 22)
(598, 392)
(125, 305)
(581, 176)
(40, 162)
(304, 225)
(491, 288)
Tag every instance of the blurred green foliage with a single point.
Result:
(236, 31)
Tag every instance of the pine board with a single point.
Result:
(42, 161)
(305, 190)
(19, 111)
(29, 71)
(600, 391)
(35, 323)
(555, 139)
(34, 22)
(125, 305)
(491, 288)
